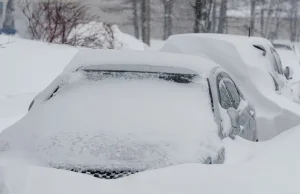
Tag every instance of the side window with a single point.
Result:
(277, 61)
(233, 92)
(224, 96)
(229, 95)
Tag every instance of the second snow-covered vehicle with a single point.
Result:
(114, 113)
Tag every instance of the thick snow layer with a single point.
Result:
(246, 65)
(89, 57)
(119, 123)
(252, 168)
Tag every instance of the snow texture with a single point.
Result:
(267, 167)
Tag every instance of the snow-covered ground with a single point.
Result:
(251, 168)
(27, 67)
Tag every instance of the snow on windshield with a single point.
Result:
(120, 121)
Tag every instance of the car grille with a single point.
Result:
(103, 174)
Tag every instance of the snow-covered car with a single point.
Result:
(255, 70)
(280, 74)
(115, 113)
(287, 46)
(290, 56)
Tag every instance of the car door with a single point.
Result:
(236, 114)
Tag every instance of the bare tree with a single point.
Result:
(293, 18)
(202, 11)
(168, 23)
(66, 22)
(214, 16)
(145, 17)
(223, 16)
(252, 16)
(9, 22)
(136, 21)
(1, 14)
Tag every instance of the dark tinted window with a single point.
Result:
(233, 93)
(224, 96)
(278, 63)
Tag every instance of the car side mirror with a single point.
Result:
(31, 104)
(235, 121)
(288, 72)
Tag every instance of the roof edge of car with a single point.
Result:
(138, 68)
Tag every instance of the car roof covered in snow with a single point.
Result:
(232, 52)
(283, 42)
(122, 60)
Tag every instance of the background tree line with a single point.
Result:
(266, 18)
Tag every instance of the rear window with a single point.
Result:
(135, 75)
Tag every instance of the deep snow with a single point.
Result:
(252, 168)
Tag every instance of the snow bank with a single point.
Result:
(270, 167)
(99, 35)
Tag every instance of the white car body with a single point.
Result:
(236, 54)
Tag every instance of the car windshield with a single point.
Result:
(115, 118)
